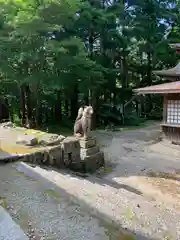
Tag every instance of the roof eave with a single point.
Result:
(175, 45)
(140, 92)
(166, 74)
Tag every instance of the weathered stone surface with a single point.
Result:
(89, 151)
(70, 144)
(9, 230)
(52, 156)
(93, 162)
(6, 125)
(91, 142)
(90, 158)
(67, 151)
(51, 140)
(27, 140)
(55, 156)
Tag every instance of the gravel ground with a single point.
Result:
(133, 157)
(116, 205)
(44, 214)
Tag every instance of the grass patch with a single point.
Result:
(115, 233)
(58, 129)
(103, 145)
(53, 193)
(108, 170)
(167, 236)
(22, 174)
(3, 202)
(127, 237)
(129, 213)
(16, 149)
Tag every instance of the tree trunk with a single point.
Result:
(28, 105)
(38, 112)
(58, 108)
(86, 100)
(124, 71)
(23, 105)
(66, 108)
(149, 81)
(94, 105)
(74, 103)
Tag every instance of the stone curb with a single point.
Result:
(107, 212)
(9, 230)
(48, 183)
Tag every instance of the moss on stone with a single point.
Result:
(127, 237)
(129, 213)
(16, 149)
(3, 202)
(53, 193)
(108, 169)
(115, 233)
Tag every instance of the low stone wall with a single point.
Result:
(73, 153)
(50, 156)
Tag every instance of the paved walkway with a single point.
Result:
(123, 197)
(46, 203)
(9, 230)
(118, 207)
(45, 214)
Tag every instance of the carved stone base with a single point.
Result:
(91, 142)
(91, 158)
(71, 151)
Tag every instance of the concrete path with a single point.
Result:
(120, 207)
(45, 214)
(9, 230)
(120, 196)
(59, 205)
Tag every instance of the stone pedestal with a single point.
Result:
(91, 158)
(70, 151)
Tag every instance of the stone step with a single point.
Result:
(91, 142)
(114, 205)
(9, 230)
(89, 151)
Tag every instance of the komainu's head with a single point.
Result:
(88, 111)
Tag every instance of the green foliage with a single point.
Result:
(54, 51)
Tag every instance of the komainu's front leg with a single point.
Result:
(85, 128)
(85, 133)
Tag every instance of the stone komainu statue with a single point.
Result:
(82, 126)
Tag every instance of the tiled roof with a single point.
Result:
(175, 45)
(172, 72)
(172, 87)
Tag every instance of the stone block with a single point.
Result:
(70, 158)
(7, 125)
(51, 140)
(94, 162)
(70, 144)
(91, 142)
(27, 140)
(88, 151)
(89, 164)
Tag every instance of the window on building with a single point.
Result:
(173, 111)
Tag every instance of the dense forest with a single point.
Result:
(58, 54)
